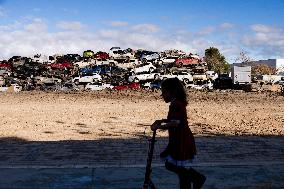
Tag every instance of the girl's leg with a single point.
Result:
(184, 179)
(197, 178)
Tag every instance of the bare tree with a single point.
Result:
(243, 57)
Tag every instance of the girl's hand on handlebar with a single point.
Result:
(155, 126)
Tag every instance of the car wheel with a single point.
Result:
(185, 81)
(180, 64)
(76, 82)
(156, 77)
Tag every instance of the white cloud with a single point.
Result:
(265, 29)
(32, 37)
(226, 26)
(8, 27)
(265, 35)
(36, 26)
(118, 23)
(25, 43)
(146, 28)
(265, 41)
(70, 25)
(213, 29)
(206, 31)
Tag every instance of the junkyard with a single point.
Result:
(119, 69)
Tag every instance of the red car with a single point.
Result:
(127, 86)
(5, 65)
(61, 65)
(187, 61)
(101, 55)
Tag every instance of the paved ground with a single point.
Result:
(219, 177)
(228, 162)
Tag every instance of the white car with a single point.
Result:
(13, 87)
(167, 60)
(200, 77)
(47, 80)
(206, 86)
(120, 54)
(211, 75)
(185, 77)
(112, 50)
(85, 63)
(41, 58)
(152, 56)
(3, 72)
(87, 79)
(98, 86)
(143, 77)
(146, 67)
(129, 64)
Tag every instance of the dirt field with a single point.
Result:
(39, 116)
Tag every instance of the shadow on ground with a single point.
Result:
(227, 161)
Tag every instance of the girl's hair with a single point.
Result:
(175, 87)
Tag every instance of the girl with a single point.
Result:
(181, 146)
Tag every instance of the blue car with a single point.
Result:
(90, 71)
(156, 85)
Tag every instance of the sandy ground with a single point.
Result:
(39, 116)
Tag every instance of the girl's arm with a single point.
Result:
(160, 121)
(164, 125)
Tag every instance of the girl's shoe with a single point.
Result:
(197, 178)
(164, 153)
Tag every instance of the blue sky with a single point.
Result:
(256, 27)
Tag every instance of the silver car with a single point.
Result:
(150, 57)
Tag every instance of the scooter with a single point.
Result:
(148, 184)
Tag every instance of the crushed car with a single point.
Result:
(145, 67)
(150, 57)
(143, 77)
(189, 60)
(126, 86)
(98, 86)
(86, 79)
(185, 77)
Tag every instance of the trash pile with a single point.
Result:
(118, 69)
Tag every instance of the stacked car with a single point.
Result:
(100, 70)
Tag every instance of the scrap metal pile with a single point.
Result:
(118, 69)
